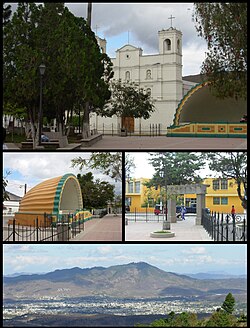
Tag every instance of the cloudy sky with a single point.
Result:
(143, 169)
(139, 23)
(33, 168)
(179, 258)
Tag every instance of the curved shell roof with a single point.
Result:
(62, 193)
(200, 105)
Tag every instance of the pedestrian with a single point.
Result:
(183, 211)
(233, 212)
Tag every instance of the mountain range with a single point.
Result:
(130, 280)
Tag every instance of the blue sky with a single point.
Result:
(179, 258)
(33, 168)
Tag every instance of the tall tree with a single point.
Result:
(76, 71)
(229, 303)
(175, 168)
(128, 100)
(231, 165)
(224, 27)
(95, 193)
(108, 163)
(6, 13)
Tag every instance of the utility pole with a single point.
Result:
(86, 130)
(89, 14)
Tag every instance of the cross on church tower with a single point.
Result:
(171, 17)
(96, 27)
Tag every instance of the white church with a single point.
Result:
(159, 74)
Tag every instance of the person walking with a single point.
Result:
(233, 212)
(183, 211)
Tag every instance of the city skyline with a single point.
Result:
(180, 258)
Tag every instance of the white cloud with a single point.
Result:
(106, 249)
(195, 250)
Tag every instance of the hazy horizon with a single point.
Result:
(178, 258)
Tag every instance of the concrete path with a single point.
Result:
(184, 231)
(176, 143)
(162, 142)
(108, 228)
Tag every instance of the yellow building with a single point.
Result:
(139, 197)
(221, 195)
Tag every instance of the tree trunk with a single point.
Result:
(85, 125)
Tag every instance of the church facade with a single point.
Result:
(160, 75)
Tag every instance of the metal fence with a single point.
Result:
(225, 227)
(152, 130)
(65, 229)
(144, 215)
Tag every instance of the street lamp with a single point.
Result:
(42, 71)
(166, 224)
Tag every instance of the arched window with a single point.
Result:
(148, 74)
(167, 45)
(178, 46)
(149, 91)
(127, 76)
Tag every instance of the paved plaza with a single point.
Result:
(185, 230)
(108, 228)
(162, 142)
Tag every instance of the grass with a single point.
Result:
(162, 231)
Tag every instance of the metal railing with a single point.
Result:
(62, 230)
(152, 130)
(144, 215)
(225, 227)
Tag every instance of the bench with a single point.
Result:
(48, 145)
(91, 140)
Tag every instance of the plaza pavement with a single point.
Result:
(161, 142)
(184, 231)
(108, 228)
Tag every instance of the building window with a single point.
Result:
(167, 45)
(138, 187)
(216, 200)
(148, 74)
(224, 184)
(130, 187)
(127, 76)
(216, 184)
(128, 201)
(148, 91)
(178, 46)
(224, 200)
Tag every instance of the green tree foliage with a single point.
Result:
(224, 27)
(6, 13)
(76, 71)
(95, 193)
(108, 163)
(129, 165)
(5, 183)
(231, 165)
(221, 319)
(128, 101)
(175, 168)
(229, 303)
